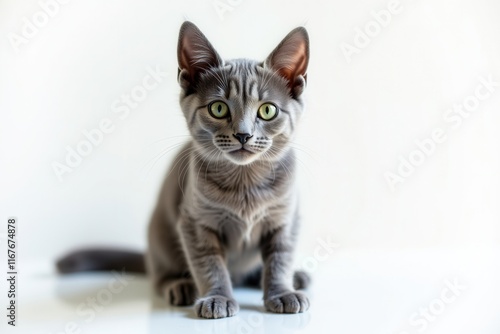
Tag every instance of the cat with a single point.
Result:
(227, 214)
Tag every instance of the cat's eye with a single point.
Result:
(268, 111)
(218, 109)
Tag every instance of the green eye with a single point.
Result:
(218, 109)
(268, 111)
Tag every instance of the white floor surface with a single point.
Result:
(353, 292)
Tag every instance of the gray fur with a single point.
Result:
(222, 217)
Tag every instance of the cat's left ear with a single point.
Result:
(290, 59)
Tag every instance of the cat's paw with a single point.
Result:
(215, 307)
(289, 302)
(181, 292)
(301, 280)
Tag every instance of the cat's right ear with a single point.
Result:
(195, 55)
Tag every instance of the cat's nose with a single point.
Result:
(242, 137)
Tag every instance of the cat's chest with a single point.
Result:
(237, 231)
(248, 204)
(237, 234)
(238, 215)
(245, 191)
(239, 202)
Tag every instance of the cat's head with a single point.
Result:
(242, 110)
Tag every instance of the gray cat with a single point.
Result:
(228, 211)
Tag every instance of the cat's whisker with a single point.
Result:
(214, 153)
(181, 157)
(168, 138)
(287, 171)
(197, 157)
(272, 166)
(159, 156)
(303, 166)
(185, 169)
(162, 153)
(202, 161)
(304, 149)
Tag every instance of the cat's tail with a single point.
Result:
(102, 259)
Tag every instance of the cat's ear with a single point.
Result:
(195, 54)
(290, 59)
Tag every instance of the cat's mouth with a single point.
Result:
(242, 156)
(241, 151)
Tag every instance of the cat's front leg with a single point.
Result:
(207, 265)
(277, 254)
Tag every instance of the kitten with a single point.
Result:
(228, 211)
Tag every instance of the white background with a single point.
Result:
(362, 115)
